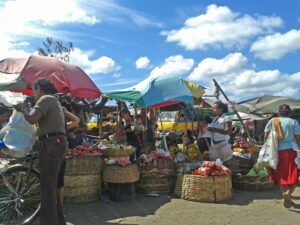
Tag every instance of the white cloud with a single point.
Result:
(276, 45)
(239, 79)
(220, 27)
(174, 65)
(23, 20)
(120, 82)
(8, 49)
(143, 63)
(103, 64)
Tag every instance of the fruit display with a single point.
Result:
(115, 147)
(255, 172)
(174, 150)
(118, 162)
(192, 153)
(242, 146)
(84, 150)
(209, 168)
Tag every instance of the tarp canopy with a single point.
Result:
(68, 78)
(266, 104)
(161, 91)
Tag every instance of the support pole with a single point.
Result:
(236, 112)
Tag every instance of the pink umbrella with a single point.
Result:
(68, 78)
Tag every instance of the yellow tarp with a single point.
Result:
(196, 89)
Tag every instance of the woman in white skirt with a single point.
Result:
(220, 129)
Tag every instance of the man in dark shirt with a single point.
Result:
(49, 116)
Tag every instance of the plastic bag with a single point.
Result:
(268, 155)
(18, 135)
(10, 99)
(220, 151)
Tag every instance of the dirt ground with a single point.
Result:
(245, 208)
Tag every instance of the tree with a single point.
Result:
(55, 48)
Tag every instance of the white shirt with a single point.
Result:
(219, 123)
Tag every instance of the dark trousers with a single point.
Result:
(51, 156)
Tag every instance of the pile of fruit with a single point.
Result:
(118, 162)
(115, 147)
(84, 150)
(192, 153)
(209, 168)
(242, 146)
(255, 172)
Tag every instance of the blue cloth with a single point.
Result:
(290, 128)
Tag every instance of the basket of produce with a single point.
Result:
(191, 152)
(111, 150)
(211, 182)
(80, 164)
(254, 180)
(118, 174)
(157, 162)
(156, 182)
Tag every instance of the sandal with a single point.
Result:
(287, 201)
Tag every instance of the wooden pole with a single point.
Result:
(100, 121)
(185, 132)
(236, 112)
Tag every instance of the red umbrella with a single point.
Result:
(68, 78)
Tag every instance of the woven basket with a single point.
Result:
(117, 153)
(83, 165)
(252, 183)
(120, 175)
(203, 189)
(165, 166)
(156, 182)
(82, 188)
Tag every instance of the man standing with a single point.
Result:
(49, 116)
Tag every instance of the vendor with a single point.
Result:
(132, 138)
(220, 129)
(119, 137)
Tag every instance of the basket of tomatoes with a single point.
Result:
(211, 182)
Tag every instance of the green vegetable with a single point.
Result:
(252, 173)
(263, 173)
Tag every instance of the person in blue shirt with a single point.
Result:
(286, 173)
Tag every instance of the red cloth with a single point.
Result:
(66, 77)
(287, 171)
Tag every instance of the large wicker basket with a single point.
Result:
(117, 153)
(82, 188)
(165, 166)
(203, 189)
(119, 175)
(156, 182)
(83, 165)
(252, 183)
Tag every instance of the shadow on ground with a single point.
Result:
(104, 213)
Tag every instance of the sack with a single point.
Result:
(268, 155)
(18, 136)
(220, 151)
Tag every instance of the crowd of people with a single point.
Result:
(60, 129)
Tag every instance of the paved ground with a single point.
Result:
(246, 208)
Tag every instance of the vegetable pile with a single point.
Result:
(84, 150)
(209, 168)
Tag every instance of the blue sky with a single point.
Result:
(251, 47)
